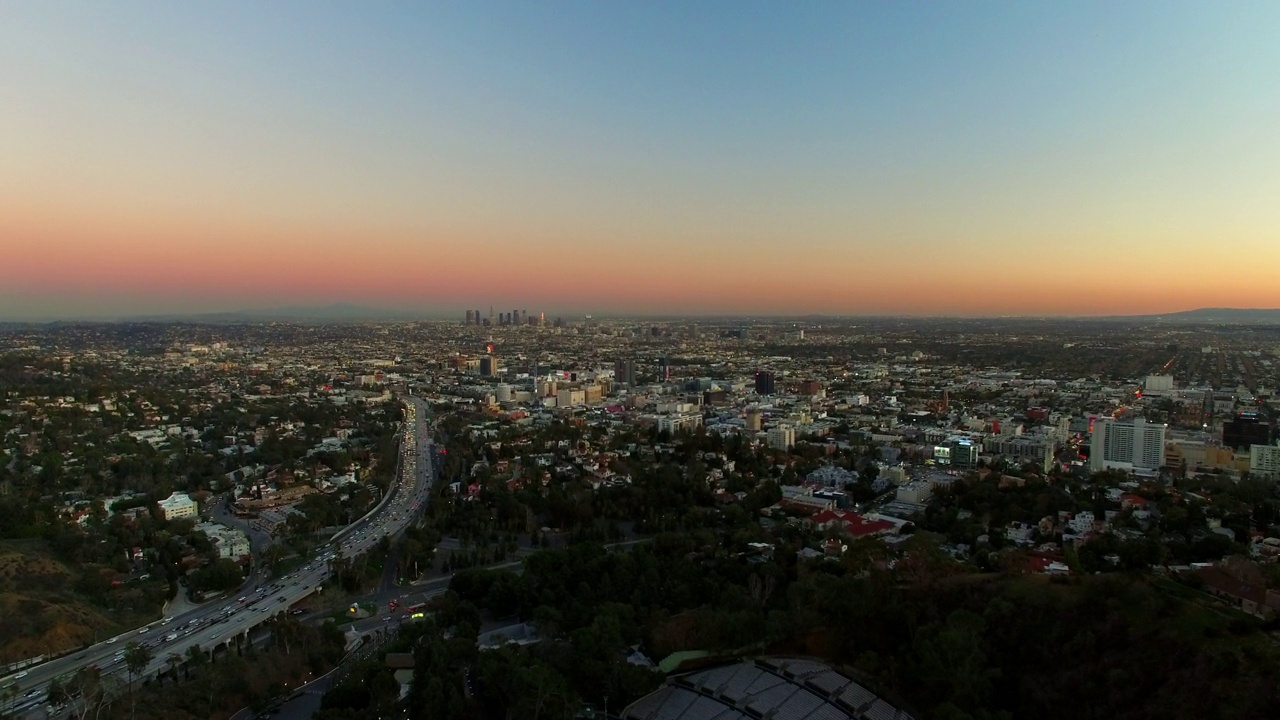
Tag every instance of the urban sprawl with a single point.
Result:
(671, 493)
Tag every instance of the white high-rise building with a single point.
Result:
(1264, 459)
(1127, 445)
(782, 437)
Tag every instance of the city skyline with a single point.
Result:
(744, 159)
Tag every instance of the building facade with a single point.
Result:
(1127, 445)
(1264, 460)
(782, 437)
(624, 371)
(764, 383)
(177, 506)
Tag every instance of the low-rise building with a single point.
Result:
(176, 506)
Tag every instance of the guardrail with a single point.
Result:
(19, 664)
(381, 503)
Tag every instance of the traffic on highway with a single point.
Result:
(218, 623)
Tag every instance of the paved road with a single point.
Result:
(214, 625)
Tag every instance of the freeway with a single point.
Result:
(217, 624)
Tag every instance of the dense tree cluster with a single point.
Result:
(947, 644)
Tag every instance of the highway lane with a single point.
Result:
(216, 623)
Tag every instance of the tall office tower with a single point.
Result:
(471, 318)
(664, 369)
(624, 371)
(1245, 430)
(524, 317)
(542, 319)
(491, 320)
(489, 365)
(477, 312)
(764, 383)
(1126, 445)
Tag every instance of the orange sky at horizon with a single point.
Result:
(1091, 159)
(151, 264)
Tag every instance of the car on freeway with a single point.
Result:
(113, 639)
(20, 675)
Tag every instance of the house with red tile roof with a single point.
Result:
(851, 523)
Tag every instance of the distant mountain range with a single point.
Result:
(350, 313)
(1226, 316)
(335, 313)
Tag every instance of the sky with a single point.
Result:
(858, 158)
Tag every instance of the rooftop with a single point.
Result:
(778, 688)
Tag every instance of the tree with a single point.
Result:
(11, 694)
(136, 660)
(174, 661)
(84, 692)
(195, 657)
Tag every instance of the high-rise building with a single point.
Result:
(964, 454)
(764, 382)
(624, 371)
(471, 318)
(1245, 430)
(1126, 445)
(664, 369)
(1264, 460)
(489, 365)
(782, 437)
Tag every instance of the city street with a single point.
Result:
(216, 625)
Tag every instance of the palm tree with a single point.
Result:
(136, 660)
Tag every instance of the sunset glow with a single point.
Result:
(858, 158)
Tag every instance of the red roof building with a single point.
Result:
(851, 523)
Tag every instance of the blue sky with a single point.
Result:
(882, 134)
